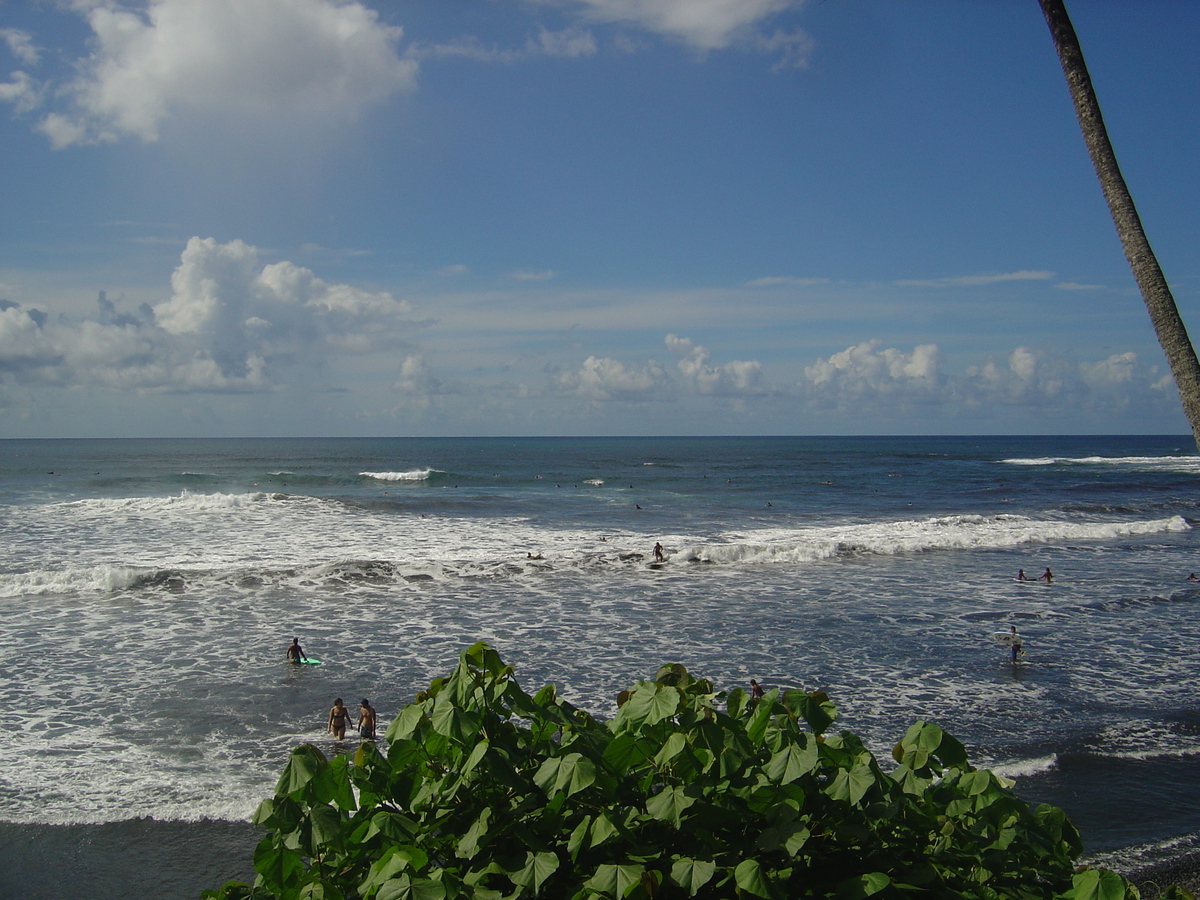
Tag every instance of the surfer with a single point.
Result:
(1046, 576)
(1021, 576)
(658, 552)
(338, 715)
(366, 720)
(295, 653)
(1193, 577)
(1014, 642)
(756, 691)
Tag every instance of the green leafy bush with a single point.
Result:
(489, 793)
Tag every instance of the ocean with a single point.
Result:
(149, 588)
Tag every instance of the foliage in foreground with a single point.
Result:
(489, 793)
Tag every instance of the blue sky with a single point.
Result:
(494, 217)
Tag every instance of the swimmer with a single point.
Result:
(338, 715)
(366, 720)
(1046, 576)
(756, 690)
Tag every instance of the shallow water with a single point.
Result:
(148, 589)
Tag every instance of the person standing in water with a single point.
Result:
(366, 720)
(756, 690)
(1014, 642)
(295, 653)
(338, 715)
(1046, 576)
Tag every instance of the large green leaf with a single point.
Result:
(861, 886)
(851, 784)
(751, 879)
(669, 804)
(692, 874)
(616, 880)
(650, 703)
(538, 867)
(327, 825)
(569, 774)
(302, 766)
(626, 751)
(793, 761)
(1097, 884)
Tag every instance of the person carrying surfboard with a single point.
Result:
(295, 653)
(1014, 642)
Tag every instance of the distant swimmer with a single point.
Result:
(1021, 576)
(1193, 577)
(366, 720)
(658, 552)
(1046, 576)
(295, 653)
(338, 715)
(756, 690)
(533, 556)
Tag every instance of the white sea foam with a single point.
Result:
(1023, 768)
(411, 475)
(1184, 464)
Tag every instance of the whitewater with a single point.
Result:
(148, 589)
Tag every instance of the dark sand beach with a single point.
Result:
(178, 860)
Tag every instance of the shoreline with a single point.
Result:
(178, 860)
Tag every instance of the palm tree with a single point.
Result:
(1164, 315)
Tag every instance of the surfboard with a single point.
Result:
(1008, 638)
(307, 661)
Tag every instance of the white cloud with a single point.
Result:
(979, 280)
(704, 24)
(539, 275)
(20, 44)
(863, 369)
(610, 379)
(785, 281)
(231, 324)
(569, 43)
(267, 60)
(731, 378)
(21, 91)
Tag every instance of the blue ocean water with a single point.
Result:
(148, 589)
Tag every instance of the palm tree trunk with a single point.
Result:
(1164, 315)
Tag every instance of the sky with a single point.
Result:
(585, 217)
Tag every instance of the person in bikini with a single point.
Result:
(337, 720)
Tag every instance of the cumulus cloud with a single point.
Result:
(731, 378)
(229, 325)
(610, 379)
(303, 60)
(864, 369)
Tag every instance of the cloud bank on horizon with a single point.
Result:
(563, 216)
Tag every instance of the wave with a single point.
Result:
(1185, 464)
(411, 475)
(326, 542)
